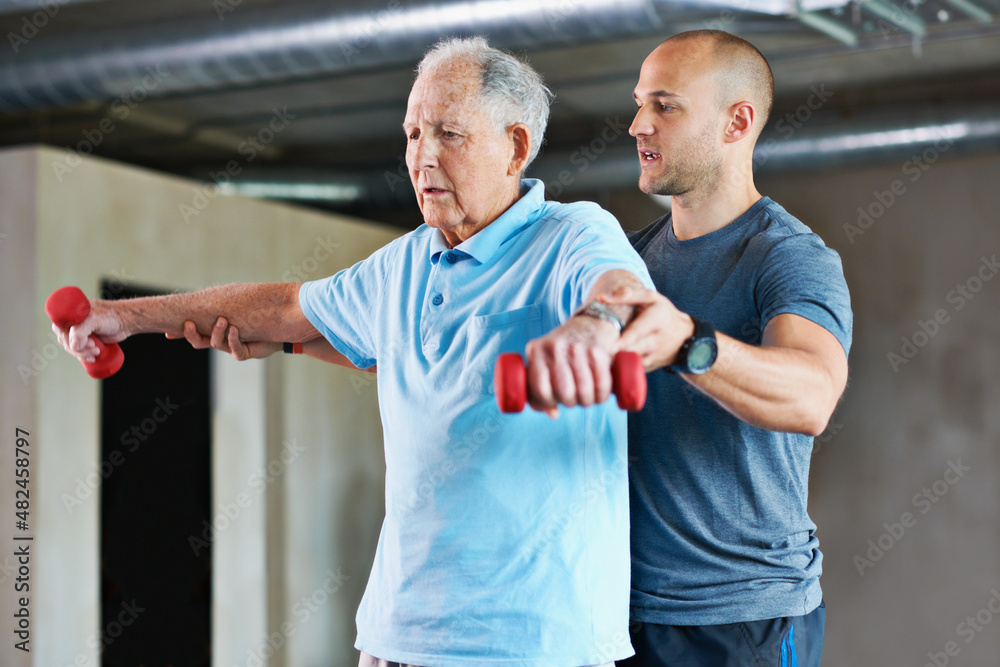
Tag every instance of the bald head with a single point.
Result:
(740, 71)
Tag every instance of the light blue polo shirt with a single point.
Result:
(505, 540)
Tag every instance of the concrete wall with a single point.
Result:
(905, 568)
(296, 560)
(916, 438)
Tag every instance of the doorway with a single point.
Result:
(156, 503)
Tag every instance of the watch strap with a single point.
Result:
(600, 311)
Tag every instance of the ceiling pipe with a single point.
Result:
(879, 137)
(239, 46)
(50, 7)
(972, 10)
(901, 18)
(828, 27)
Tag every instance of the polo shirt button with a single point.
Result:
(437, 300)
(452, 257)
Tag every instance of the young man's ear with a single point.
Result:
(521, 140)
(742, 120)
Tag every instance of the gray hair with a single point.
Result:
(511, 90)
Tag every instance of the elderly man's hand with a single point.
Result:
(571, 365)
(227, 339)
(103, 321)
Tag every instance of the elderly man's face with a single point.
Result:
(459, 166)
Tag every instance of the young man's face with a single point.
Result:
(679, 122)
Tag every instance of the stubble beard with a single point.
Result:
(692, 173)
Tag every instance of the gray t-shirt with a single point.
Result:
(720, 531)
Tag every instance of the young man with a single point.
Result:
(745, 340)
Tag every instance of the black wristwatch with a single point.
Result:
(698, 352)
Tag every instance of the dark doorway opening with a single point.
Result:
(156, 504)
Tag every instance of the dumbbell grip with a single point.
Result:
(68, 306)
(627, 374)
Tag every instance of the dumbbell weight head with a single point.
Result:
(628, 379)
(510, 380)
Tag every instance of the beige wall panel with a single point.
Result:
(96, 219)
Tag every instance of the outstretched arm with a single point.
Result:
(262, 311)
(791, 382)
(226, 339)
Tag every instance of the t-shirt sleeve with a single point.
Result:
(800, 275)
(344, 307)
(596, 246)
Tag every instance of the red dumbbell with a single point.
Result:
(68, 306)
(628, 382)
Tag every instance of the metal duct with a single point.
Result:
(49, 7)
(915, 144)
(233, 46)
(883, 136)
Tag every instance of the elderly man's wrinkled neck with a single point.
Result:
(465, 172)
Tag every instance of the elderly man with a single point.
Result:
(751, 324)
(505, 539)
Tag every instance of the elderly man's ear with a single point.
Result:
(520, 140)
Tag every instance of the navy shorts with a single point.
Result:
(795, 641)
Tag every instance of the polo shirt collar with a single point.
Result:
(484, 244)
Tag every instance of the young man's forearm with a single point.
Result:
(775, 388)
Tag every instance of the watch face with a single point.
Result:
(701, 355)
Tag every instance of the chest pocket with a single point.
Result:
(493, 334)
